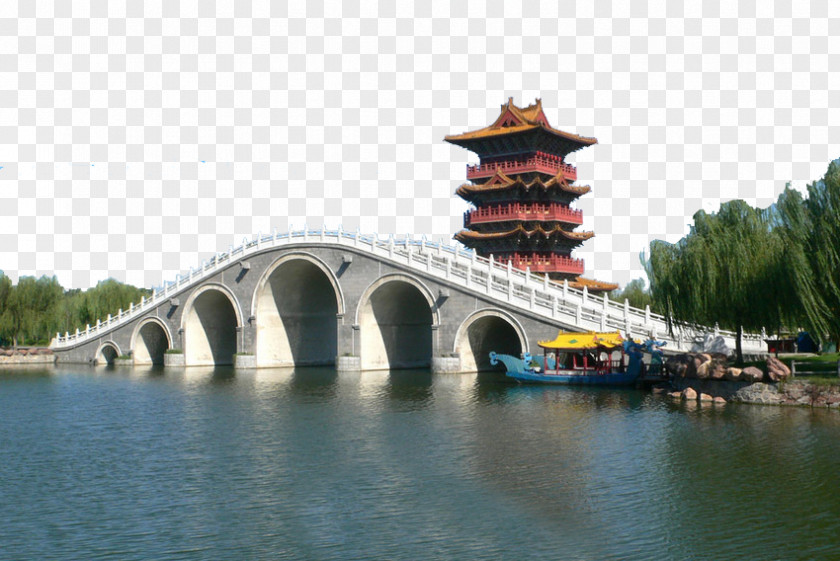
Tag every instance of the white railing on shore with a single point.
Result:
(453, 264)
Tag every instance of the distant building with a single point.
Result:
(522, 190)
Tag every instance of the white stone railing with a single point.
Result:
(455, 265)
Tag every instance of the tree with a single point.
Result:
(635, 294)
(715, 273)
(811, 233)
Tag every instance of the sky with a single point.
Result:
(139, 138)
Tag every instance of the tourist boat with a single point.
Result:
(582, 359)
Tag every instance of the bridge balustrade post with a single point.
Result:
(603, 322)
(66, 335)
(448, 263)
(87, 329)
(553, 306)
(717, 329)
(527, 275)
(565, 289)
(647, 314)
(97, 323)
(584, 295)
(626, 309)
(545, 282)
(57, 336)
(509, 269)
(510, 290)
(578, 314)
(606, 304)
(77, 333)
(109, 318)
(391, 247)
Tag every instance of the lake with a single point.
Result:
(309, 464)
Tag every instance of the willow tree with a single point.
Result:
(810, 231)
(715, 274)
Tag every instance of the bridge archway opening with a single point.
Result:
(150, 342)
(486, 331)
(210, 322)
(107, 353)
(296, 306)
(395, 325)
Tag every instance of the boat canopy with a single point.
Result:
(579, 341)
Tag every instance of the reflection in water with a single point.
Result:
(411, 388)
(308, 463)
(315, 383)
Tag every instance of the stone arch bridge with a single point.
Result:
(361, 302)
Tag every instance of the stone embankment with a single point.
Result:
(26, 356)
(707, 378)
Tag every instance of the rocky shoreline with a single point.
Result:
(16, 357)
(707, 378)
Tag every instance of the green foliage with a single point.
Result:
(750, 268)
(635, 293)
(34, 310)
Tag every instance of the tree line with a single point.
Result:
(34, 310)
(748, 268)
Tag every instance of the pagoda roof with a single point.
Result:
(519, 230)
(500, 182)
(515, 120)
(592, 285)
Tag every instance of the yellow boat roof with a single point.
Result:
(589, 340)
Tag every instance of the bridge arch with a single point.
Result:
(150, 340)
(211, 321)
(397, 318)
(296, 303)
(488, 330)
(106, 353)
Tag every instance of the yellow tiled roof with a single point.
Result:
(470, 234)
(501, 181)
(590, 340)
(524, 119)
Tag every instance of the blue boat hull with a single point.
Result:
(519, 370)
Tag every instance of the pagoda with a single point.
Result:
(522, 190)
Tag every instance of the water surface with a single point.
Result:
(311, 464)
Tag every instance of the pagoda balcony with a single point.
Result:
(543, 263)
(525, 212)
(537, 163)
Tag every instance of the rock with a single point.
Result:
(677, 365)
(717, 370)
(705, 397)
(719, 400)
(712, 344)
(759, 393)
(733, 373)
(777, 370)
(689, 394)
(696, 368)
(675, 395)
(752, 374)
